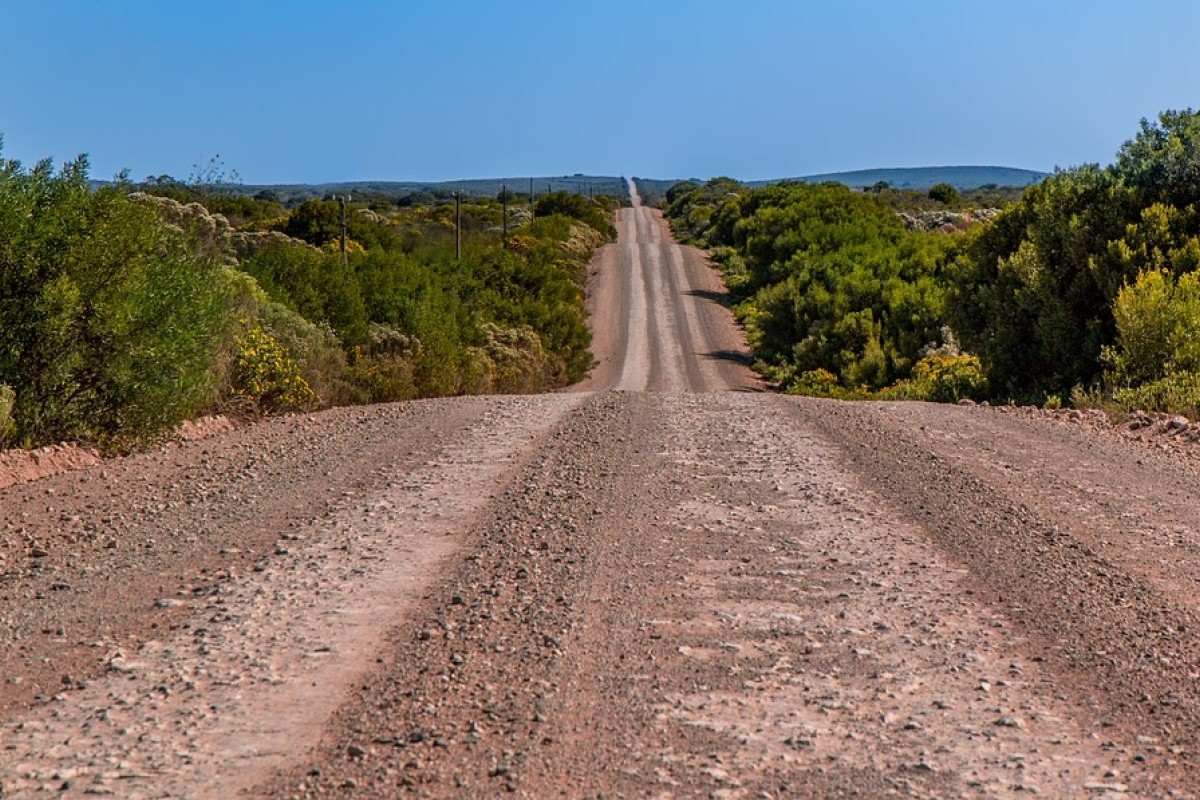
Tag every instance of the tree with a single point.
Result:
(1163, 161)
(109, 318)
(944, 193)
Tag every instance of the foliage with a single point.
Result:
(942, 378)
(118, 307)
(1158, 328)
(1035, 292)
(319, 222)
(317, 285)
(816, 383)
(1177, 393)
(264, 374)
(7, 398)
(239, 209)
(590, 212)
(943, 193)
(109, 317)
(1090, 278)
(827, 279)
(314, 347)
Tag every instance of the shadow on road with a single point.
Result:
(720, 298)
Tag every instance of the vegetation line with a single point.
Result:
(125, 309)
(1083, 288)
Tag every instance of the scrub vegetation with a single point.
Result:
(126, 309)
(1085, 288)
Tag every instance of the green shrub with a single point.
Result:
(816, 383)
(941, 377)
(825, 278)
(7, 398)
(1158, 328)
(518, 362)
(577, 207)
(313, 346)
(950, 378)
(1175, 394)
(109, 318)
(1035, 291)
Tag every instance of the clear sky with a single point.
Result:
(307, 91)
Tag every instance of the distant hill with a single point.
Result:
(924, 177)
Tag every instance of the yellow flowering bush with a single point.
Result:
(335, 246)
(264, 373)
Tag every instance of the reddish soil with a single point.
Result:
(684, 587)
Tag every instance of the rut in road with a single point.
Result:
(682, 587)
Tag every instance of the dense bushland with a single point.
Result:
(1039, 294)
(126, 309)
(835, 294)
(109, 319)
(1084, 287)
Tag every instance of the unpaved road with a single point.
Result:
(668, 583)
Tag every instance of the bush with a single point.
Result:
(816, 383)
(1175, 394)
(7, 398)
(109, 317)
(941, 378)
(950, 378)
(944, 193)
(1158, 328)
(264, 374)
(825, 278)
(577, 207)
(1036, 292)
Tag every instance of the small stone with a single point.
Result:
(355, 751)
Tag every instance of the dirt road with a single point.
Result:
(668, 583)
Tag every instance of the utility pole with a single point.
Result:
(343, 199)
(458, 226)
(504, 212)
(532, 213)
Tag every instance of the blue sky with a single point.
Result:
(305, 91)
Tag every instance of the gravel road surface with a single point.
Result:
(665, 583)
